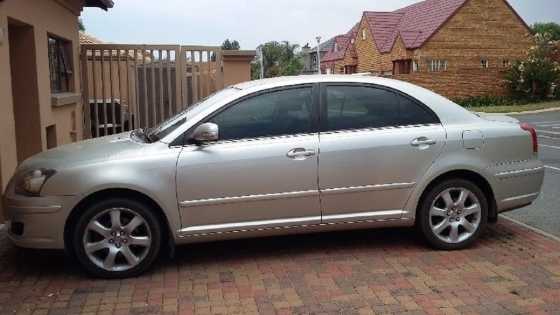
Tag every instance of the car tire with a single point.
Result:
(117, 238)
(453, 214)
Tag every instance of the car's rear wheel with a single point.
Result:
(453, 214)
(117, 238)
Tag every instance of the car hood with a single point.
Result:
(88, 151)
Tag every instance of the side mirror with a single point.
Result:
(208, 132)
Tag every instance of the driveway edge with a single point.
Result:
(532, 111)
(534, 229)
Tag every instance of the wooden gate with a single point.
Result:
(138, 86)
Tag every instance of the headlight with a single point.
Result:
(30, 183)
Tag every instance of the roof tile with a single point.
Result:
(415, 23)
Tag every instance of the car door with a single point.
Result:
(375, 145)
(262, 173)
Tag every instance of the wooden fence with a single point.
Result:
(138, 86)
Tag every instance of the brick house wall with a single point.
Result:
(369, 57)
(486, 29)
(479, 30)
(460, 85)
(499, 37)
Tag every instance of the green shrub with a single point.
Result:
(488, 101)
(533, 77)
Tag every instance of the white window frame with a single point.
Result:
(364, 34)
(437, 65)
(415, 66)
(484, 63)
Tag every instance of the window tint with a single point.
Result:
(276, 113)
(358, 107)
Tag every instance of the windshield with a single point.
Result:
(165, 128)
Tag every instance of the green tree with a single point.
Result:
(551, 28)
(230, 45)
(280, 59)
(538, 73)
(81, 26)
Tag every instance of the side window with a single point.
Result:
(358, 107)
(284, 112)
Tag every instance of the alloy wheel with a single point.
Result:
(117, 239)
(455, 215)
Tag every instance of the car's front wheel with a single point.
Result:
(453, 213)
(117, 238)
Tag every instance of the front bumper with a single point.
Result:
(36, 222)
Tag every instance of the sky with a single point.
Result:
(251, 22)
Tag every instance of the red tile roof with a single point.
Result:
(415, 23)
(343, 43)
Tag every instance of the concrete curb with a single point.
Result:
(527, 112)
(534, 229)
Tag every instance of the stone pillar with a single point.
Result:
(237, 65)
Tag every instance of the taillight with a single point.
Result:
(529, 128)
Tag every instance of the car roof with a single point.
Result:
(303, 79)
(447, 111)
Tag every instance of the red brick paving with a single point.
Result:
(510, 271)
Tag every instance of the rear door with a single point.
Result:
(375, 145)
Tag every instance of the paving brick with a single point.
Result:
(511, 270)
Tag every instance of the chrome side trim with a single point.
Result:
(349, 217)
(293, 223)
(365, 188)
(386, 128)
(517, 173)
(244, 226)
(33, 209)
(248, 140)
(533, 195)
(248, 198)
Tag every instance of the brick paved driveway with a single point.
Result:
(511, 271)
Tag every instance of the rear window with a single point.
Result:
(359, 107)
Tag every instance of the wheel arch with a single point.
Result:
(471, 176)
(112, 193)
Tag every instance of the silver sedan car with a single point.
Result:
(278, 156)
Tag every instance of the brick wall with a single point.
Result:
(369, 58)
(460, 85)
(481, 29)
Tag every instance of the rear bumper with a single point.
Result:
(518, 188)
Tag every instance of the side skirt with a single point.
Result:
(253, 229)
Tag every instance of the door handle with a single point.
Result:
(422, 141)
(300, 153)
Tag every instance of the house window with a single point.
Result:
(438, 65)
(336, 47)
(484, 63)
(506, 63)
(364, 34)
(60, 64)
(415, 66)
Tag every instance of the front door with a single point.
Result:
(375, 145)
(262, 173)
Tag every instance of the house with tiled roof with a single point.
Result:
(310, 55)
(342, 57)
(459, 48)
